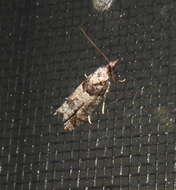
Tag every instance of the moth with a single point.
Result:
(79, 106)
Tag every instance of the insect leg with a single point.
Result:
(85, 76)
(104, 98)
(89, 119)
(123, 80)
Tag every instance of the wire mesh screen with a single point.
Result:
(44, 58)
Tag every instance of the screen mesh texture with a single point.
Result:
(44, 56)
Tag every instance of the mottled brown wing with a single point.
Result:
(69, 108)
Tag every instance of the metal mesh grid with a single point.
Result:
(44, 57)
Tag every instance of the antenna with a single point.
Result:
(94, 45)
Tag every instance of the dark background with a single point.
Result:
(44, 57)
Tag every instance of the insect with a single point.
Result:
(79, 106)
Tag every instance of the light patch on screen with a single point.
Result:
(102, 5)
